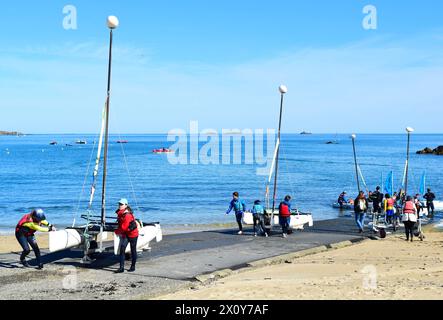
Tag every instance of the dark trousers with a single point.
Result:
(259, 222)
(409, 229)
(25, 241)
(123, 244)
(430, 206)
(284, 222)
(239, 217)
(376, 207)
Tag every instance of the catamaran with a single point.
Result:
(298, 219)
(93, 235)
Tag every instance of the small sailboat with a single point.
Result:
(93, 235)
(81, 142)
(298, 219)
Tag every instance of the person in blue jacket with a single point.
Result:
(258, 213)
(239, 207)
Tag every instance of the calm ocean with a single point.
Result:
(58, 178)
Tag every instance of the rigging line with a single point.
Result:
(84, 184)
(129, 174)
(290, 180)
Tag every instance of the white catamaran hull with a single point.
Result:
(146, 235)
(298, 221)
(64, 239)
(438, 206)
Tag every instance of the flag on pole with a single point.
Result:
(389, 183)
(423, 183)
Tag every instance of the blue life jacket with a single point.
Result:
(238, 206)
(258, 209)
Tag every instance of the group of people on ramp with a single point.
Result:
(261, 218)
(394, 207)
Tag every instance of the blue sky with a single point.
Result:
(220, 63)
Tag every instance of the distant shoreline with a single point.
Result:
(202, 133)
(10, 133)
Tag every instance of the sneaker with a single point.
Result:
(40, 266)
(240, 232)
(255, 234)
(266, 234)
(120, 270)
(132, 269)
(285, 235)
(24, 263)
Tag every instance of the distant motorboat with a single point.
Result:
(122, 141)
(81, 142)
(53, 143)
(305, 132)
(332, 142)
(163, 150)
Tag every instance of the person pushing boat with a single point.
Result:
(25, 231)
(284, 210)
(239, 207)
(258, 215)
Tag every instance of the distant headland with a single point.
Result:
(437, 151)
(10, 133)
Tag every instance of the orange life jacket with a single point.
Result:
(409, 207)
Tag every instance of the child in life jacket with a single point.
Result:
(284, 210)
(258, 214)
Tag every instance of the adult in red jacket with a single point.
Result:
(128, 232)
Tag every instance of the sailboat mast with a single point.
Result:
(282, 90)
(355, 162)
(408, 130)
(112, 24)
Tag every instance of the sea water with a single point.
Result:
(58, 177)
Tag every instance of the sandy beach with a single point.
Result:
(373, 269)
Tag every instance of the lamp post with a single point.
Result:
(112, 24)
(353, 136)
(409, 130)
(283, 90)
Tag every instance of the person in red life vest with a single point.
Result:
(409, 217)
(128, 232)
(25, 234)
(284, 215)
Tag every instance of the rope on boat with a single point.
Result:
(129, 175)
(76, 213)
